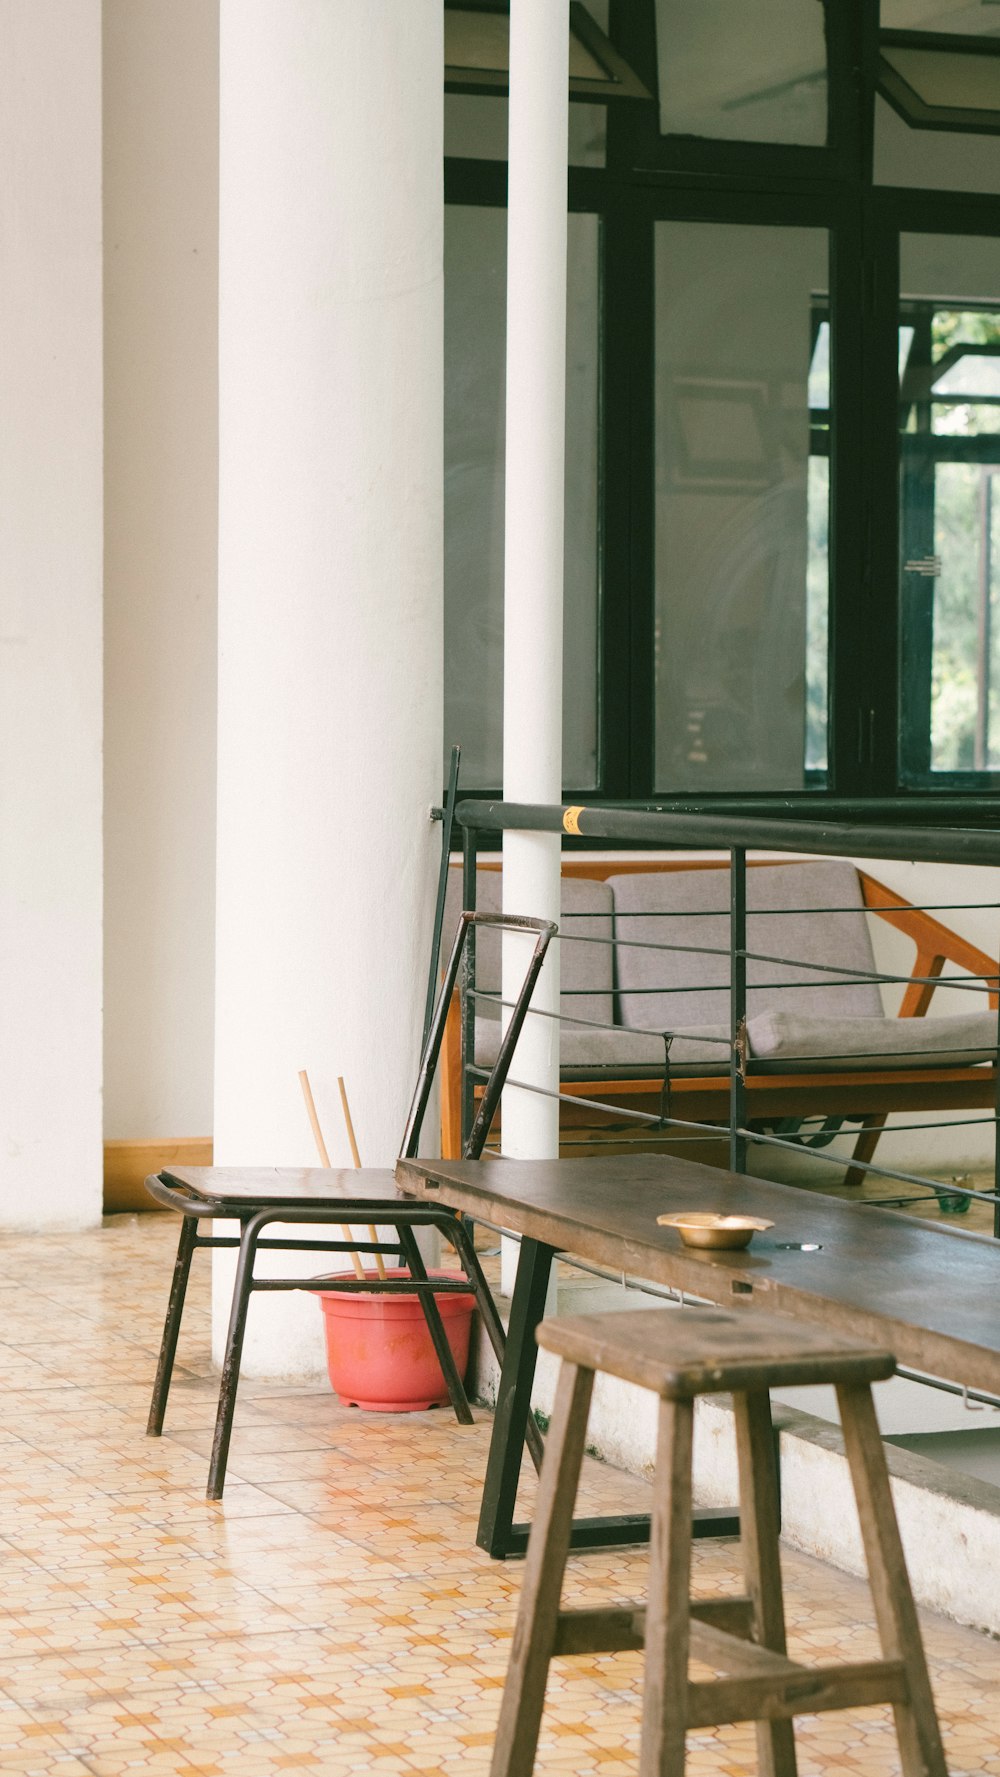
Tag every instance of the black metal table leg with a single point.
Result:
(498, 1534)
(172, 1325)
(459, 1233)
(435, 1326)
(503, 1467)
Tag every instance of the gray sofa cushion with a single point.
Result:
(697, 902)
(586, 971)
(960, 1039)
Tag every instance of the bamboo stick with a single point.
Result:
(357, 1159)
(359, 1270)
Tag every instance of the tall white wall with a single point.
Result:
(50, 613)
(330, 571)
(161, 119)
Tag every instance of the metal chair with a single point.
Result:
(260, 1197)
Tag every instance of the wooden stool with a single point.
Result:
(679, 1354)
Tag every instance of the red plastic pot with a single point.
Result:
(379, 1352)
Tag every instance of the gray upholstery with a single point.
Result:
(958, 1040)
(840, 941)
(581, 1047)
(823, 1020)
(585, 970)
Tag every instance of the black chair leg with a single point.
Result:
(435, 1326)
(172, 1325)
(234, 1350)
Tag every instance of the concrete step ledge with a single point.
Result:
(950, 1523)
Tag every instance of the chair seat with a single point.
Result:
(679, 1353)
(265, 1187)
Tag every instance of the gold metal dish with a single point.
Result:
(700, 1228)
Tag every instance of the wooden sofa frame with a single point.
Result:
(870, 1094)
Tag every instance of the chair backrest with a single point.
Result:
(587, 909)
(788, 915)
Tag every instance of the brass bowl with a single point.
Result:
(719, 1232)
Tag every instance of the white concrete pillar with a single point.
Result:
(161, 214)
(50, 613)
(533, 537)
(330, 601)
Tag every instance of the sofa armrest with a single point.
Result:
(936, 944)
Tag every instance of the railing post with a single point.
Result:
(996, 1135)
(737, 1007)
(468, 982)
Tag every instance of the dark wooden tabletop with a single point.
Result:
(931, 1294)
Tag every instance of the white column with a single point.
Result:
(533, 541)
(330, 550)
(161, 216)
(50, 613)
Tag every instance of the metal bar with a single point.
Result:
(737, 1007)
(435, 1326)
(172, 1326)
(954, 845)
(234, 1348)
(448, 822)
(459, 1233)
(513, 1404)
(498, 1075)
(467, 1005)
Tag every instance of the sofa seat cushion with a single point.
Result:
(957, 1040)
(583, 1047)
(787, 917)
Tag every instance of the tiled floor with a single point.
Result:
(333, 1613)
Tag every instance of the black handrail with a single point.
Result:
(720, 832)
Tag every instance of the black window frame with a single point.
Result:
(647, 178)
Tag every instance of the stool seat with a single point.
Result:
(679, 1353)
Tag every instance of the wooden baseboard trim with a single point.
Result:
(127, 1164)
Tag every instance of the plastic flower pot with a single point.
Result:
(379, 1352)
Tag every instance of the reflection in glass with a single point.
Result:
(949, 520)
(977, 18)
(475, 320)
(743, 70)
(742, 493)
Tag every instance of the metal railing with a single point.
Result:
(736, 834)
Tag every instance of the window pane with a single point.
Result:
(475, 315)
(949, 517)
(978, 18)
(475, 128)
(742, 494)
(743, 70)
(943, 160)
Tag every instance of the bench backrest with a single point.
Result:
(586, 971)
(788, 915)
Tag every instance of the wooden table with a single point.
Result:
(930, 1294)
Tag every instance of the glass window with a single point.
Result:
(475, 320)
(742, 496)
(475, 128)
(940, 160)
(949, 520)
(976, 18)
(743, 70)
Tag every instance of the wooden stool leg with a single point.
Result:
(548, 1546)
(761, 1564)
(664, 1696)
(916, 1721)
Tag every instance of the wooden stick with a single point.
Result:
(357, 1159)
(359, 1270)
